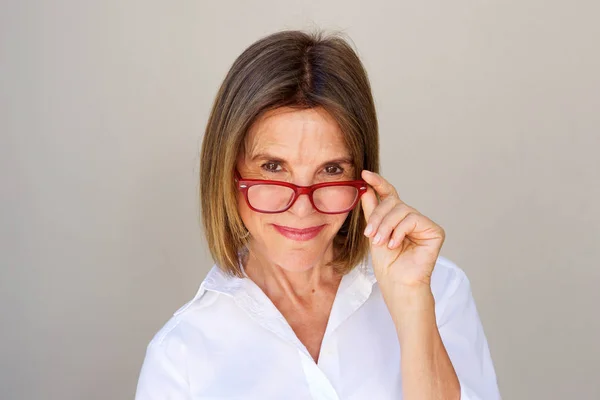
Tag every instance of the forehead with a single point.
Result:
(293, 133)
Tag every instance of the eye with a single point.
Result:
(334, 170)
(271, 166)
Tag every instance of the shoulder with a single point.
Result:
(451, 289)
(446, 275)
(183, 317)
(199, 316)
(187, 322)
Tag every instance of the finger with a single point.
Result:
(369, 202)
(379, 214)
(390, 221)
(381, 186)
(419, 228)
(404, 228)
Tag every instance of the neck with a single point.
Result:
(280, 284)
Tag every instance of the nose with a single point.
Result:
(302, 207)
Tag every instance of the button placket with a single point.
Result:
(318, 382)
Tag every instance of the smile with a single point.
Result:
(299, 234)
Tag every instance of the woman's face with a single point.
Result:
(303, 147)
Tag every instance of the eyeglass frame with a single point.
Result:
(245, 184)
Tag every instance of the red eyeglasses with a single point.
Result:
(271, 197)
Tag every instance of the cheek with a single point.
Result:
(253, 221)
(247, 215)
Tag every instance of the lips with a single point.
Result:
(299, 234)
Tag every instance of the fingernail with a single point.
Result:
(368, 230)
(391, 243)
(377, 239)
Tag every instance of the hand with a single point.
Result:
(406, 248)
(405, 243)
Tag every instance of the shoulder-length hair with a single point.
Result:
(285, 69)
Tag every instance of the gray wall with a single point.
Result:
(489, 125)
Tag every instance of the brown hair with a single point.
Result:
(285, 69)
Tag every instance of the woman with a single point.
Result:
(325, 285)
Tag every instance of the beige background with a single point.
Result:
(490, 123)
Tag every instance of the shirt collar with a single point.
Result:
(220, 282)
(354, 290)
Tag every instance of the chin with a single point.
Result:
(296, 255)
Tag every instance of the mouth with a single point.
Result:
(300, 235)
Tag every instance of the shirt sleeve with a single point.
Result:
(163, 375)
(463, 337)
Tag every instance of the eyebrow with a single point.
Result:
(270, 157)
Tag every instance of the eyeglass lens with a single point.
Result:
(273, 198)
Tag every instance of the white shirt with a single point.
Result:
(231, 342)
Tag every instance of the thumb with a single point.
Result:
(368, 202)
